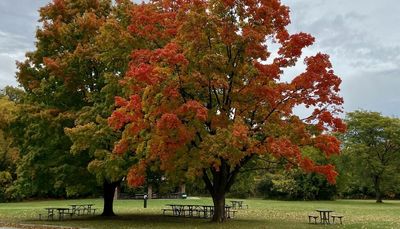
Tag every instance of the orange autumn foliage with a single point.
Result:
(203, 98)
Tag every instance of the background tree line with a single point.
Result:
(368, 165)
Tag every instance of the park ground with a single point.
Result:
(261, 214)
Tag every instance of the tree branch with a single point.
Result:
(207, 181)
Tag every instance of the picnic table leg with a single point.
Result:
(50, 215)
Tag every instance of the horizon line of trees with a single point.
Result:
(358, 167)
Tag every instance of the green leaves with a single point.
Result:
(372, 147)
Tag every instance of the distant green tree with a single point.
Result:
(46, 168)
(372, 149)
(14, 94)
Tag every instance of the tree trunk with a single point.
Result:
(377, 186)
(218, 182)
(219, 208)
(116, 194)
(182, 188)
(108, 193)
(149, 191)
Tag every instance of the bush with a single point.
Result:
(295, 185)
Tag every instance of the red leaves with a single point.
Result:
(291, 48)
(307, 164)
(153, 24)
(240, 130)
(193, 109)
(168, 122)
(170, 55)
(136, 174)
(229, 2)
(134, 104)
(146, 66)
(326, 121)
(144, 73)
(129, 112)
(170, 135)
(204, 94)
(283, 148)
(171, 91)
(328, 144)
(327, 170)
(118, 119)
(51, 63)
(120, 102)
(319, 86)
(121, 147)
(268, 71)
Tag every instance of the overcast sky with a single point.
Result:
(361, 36)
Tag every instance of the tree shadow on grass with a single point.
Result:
(141, 220)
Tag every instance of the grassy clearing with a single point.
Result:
(261, 214)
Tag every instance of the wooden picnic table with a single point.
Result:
(61, 212)
(196, 210)
(237, 204)
(77, 208)
(324, 215)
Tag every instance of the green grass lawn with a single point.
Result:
(261, 214)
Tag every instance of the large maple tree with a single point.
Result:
(69, 78)
(207, 96)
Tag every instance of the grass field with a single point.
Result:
(261, 214)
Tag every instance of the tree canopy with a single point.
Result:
(9, 154)
(372, 148)
(206, 96)
(63, 78)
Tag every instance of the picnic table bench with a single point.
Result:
(339, 216)
(312, 216)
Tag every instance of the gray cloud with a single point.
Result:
(18, 23)
(361, 38)
(374, 91)
(12, 43)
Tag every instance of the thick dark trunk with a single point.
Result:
(219, 208)
(108, 193)
(378, 192)
(217, 188)
(218, 183)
